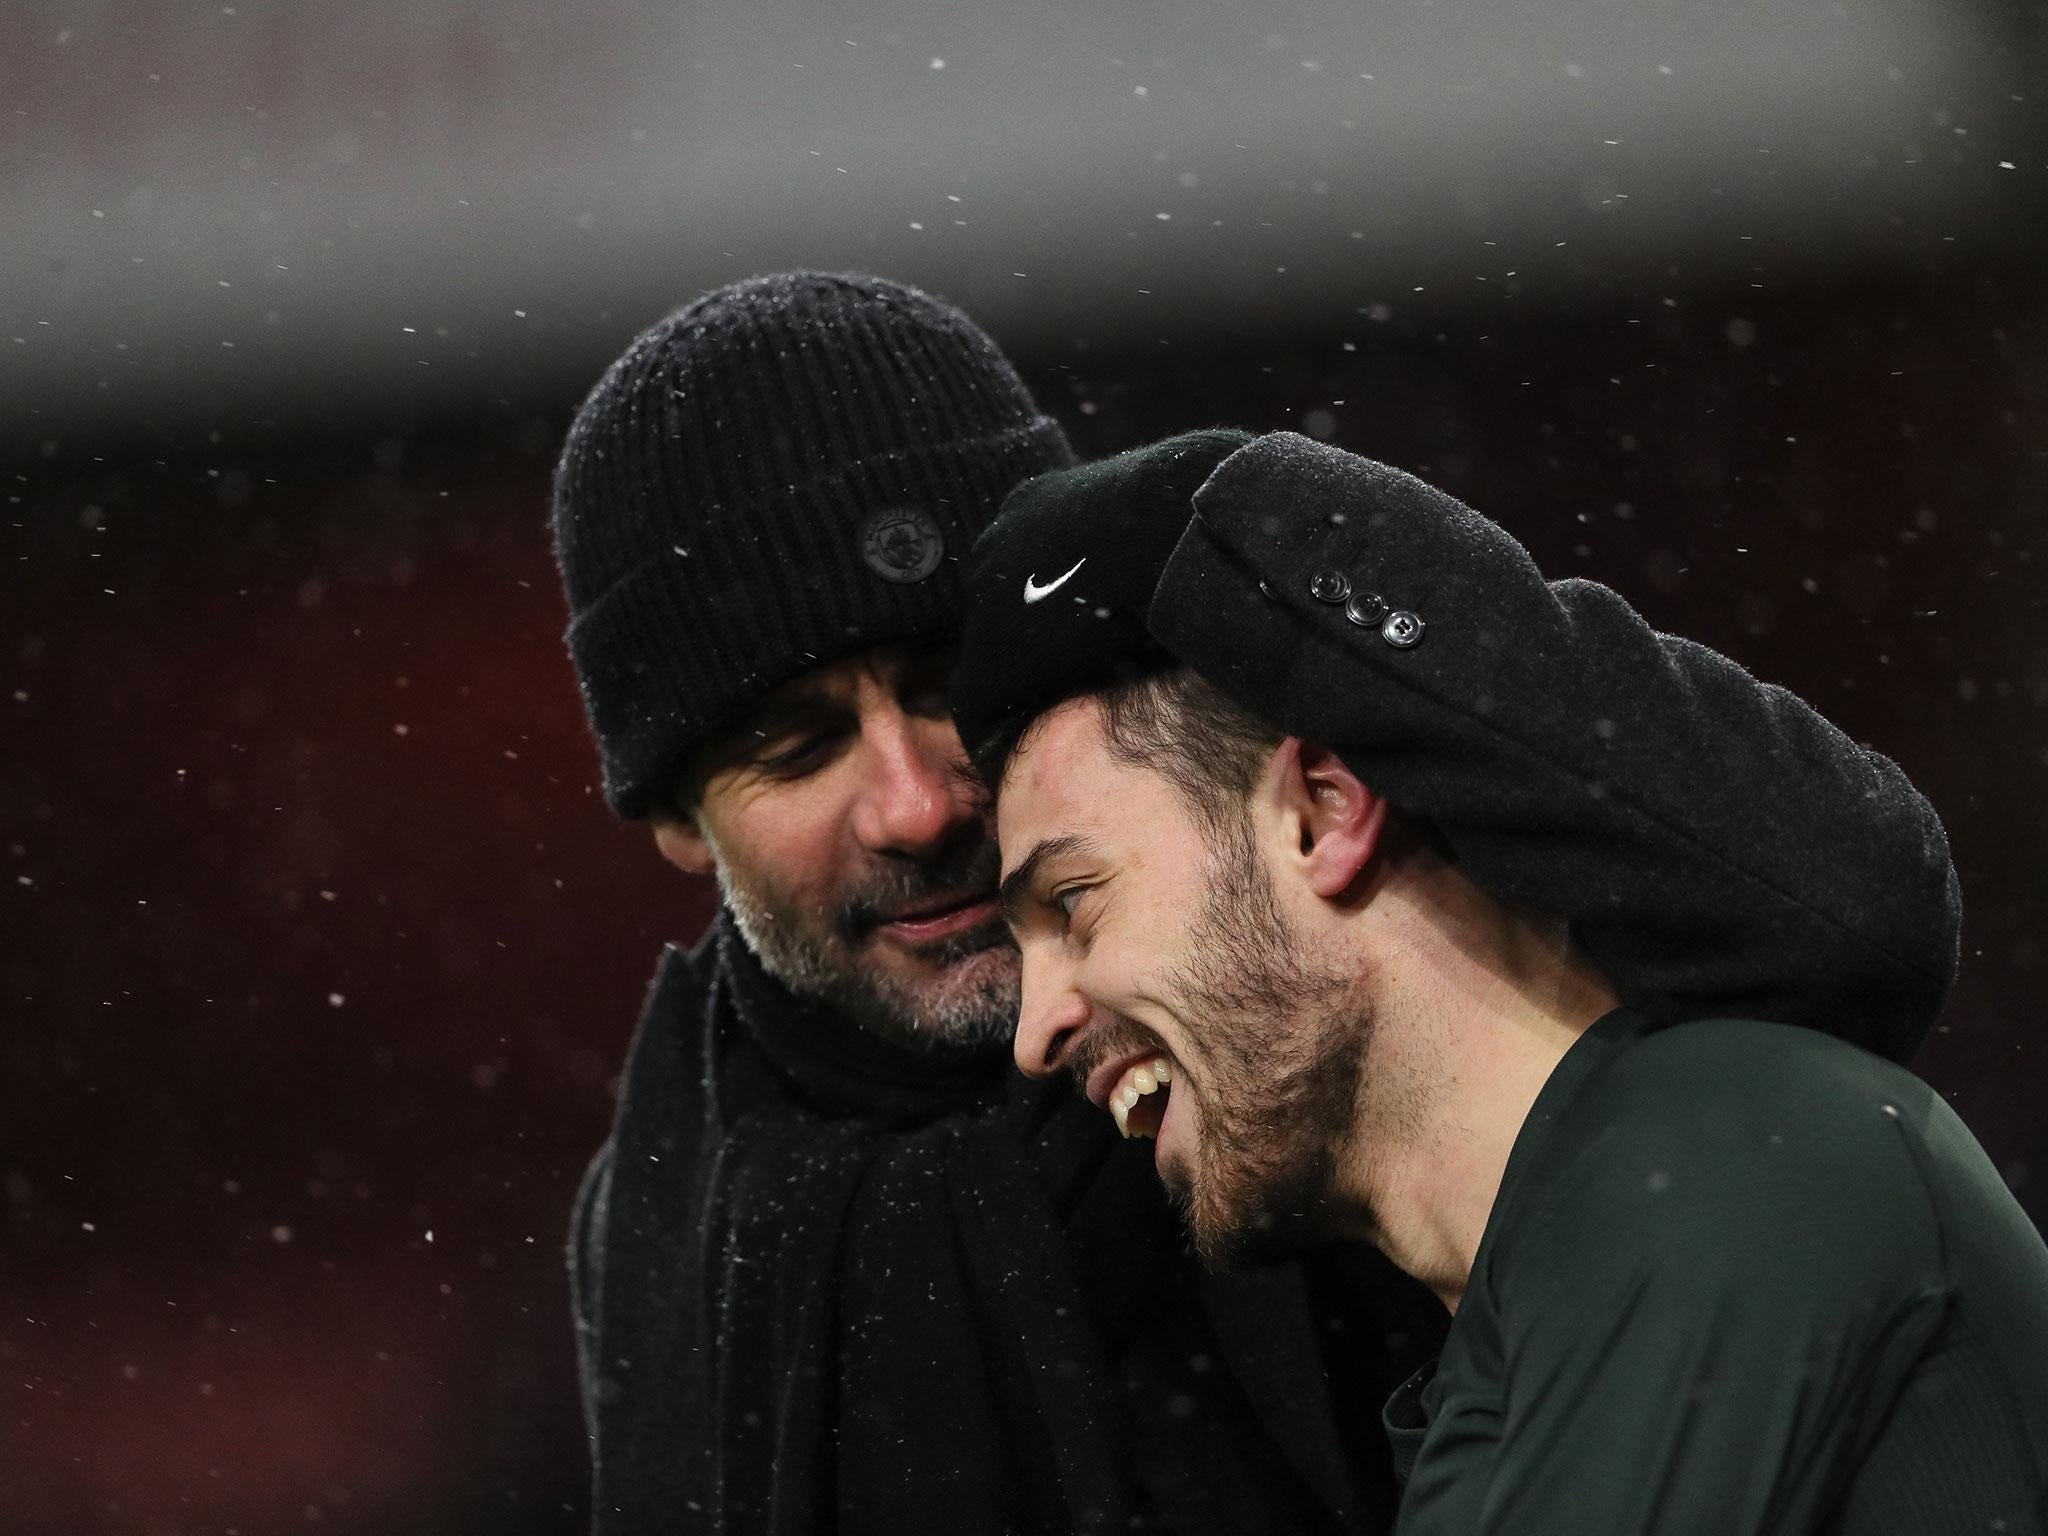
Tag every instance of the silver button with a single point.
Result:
(1366, 609)
(1329, 586)
(1402, 629)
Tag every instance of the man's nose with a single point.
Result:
(915, 796)
(1051, 1015)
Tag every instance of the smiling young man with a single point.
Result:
(1711, 1275)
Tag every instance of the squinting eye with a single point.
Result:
(1068, 899)
(798, 756)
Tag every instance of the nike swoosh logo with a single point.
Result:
(1033, 591)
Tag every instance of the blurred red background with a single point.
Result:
(321, 949)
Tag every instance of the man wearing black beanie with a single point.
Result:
(839, 1268)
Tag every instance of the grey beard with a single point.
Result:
(948, 1014)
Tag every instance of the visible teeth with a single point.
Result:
(1143, 1081)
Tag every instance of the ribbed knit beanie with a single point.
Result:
(785, 472)
(1060, 582)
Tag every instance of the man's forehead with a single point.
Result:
(1051, 786)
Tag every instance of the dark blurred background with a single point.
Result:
(318, 950)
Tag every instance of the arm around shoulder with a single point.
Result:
(1718, 846)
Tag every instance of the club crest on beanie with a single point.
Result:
(785, 472)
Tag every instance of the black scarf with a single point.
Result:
(830, 1284)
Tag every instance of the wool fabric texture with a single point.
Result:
(785, 472)
(1060, 581)
(1688, 821)
(825, 1283)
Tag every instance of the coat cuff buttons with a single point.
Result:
(1399, 627)
(1365, 609)
(1402, 629)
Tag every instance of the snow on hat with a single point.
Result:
(787, 471)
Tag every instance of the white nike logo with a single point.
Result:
(1033, 591)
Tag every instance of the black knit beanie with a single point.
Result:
(1059, 584)
(788, 471)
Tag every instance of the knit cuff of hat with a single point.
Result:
(673, 654)
(1061, 580)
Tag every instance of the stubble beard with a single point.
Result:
(969, 999)
(1284, 1047)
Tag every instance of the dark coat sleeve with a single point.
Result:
(1717, 846)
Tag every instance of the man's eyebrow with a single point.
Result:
(1017, 883)
(774, 714)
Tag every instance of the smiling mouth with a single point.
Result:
(1135, 1094)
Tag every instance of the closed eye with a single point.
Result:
(795, 756)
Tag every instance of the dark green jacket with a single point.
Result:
(1739, 1279)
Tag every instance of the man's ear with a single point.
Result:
(1335, 820)
(683, 843)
